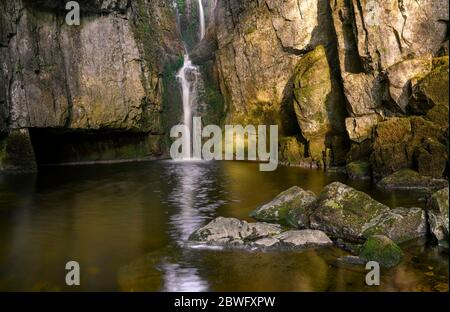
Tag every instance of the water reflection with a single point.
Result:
(128, 225)
(193, 199)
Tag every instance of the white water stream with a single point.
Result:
(188, 77)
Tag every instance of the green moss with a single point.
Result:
(382, 250)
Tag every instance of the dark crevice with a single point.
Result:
(59, 145)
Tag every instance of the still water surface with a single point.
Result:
(127, 224)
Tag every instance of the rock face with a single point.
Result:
(267, 49)
(340, 66)
(229, 232)
(408, 179)
(343, 212)
(277, 210)
(381, 249)
(401, 143)
(317, 101)
(400, 224)
(104, 74)
(438, 214)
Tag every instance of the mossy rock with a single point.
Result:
(359, 170)
(277, 210)
(383, 250)
(343, 212)
(408, 179)
(396, 141)
(432, 92)
(399, 224)
(292, 151)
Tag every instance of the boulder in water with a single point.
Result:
(408, 179)
(230, 232)
(343, 212)
(400, 224)
(278, 209)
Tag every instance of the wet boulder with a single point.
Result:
(383, 250)
(400, 224)
(343, 212)
(233, 231)
(408, 179)
(438, 214)
(294, 199)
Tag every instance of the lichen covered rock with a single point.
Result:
(294, 198)
(233, 233)
(343, 212)
(383, 250)
(399, 224)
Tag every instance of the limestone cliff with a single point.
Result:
(329, 72)
(106, 74)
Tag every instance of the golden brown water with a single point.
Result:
(126, 225)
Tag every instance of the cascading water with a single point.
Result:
(188, 77)
(202, 19)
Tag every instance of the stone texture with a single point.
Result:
(438, 214)
(317, 104)
(102, 74)
(304, 238)
(343, 212)
(399, 224)
(294, 198)
(397, 139)
(233, 231)
(360, 129)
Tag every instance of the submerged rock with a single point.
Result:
(400, 224)
(230, 232)
(383, 250)
(277, 210)
(409, 179)
(344, 212)
(438, 215)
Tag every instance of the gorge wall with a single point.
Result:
(347, 81)
(98, 79)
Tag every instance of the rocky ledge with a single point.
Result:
(234, 233)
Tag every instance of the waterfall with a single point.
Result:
(189, 76)
(202, 19)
